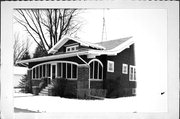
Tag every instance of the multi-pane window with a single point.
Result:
(33, 73)
(132, 73)
(37, 72)
(44, 70)
(66, 70)
(74, 71)
(41, 71)
(96, 70)
(110, 66)
(59, 69)
(71, 48)
(48, 70)
(124, 68)
(40, 67)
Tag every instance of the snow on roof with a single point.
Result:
(111, 44)
(61, 42)
(51, 57)
(111, 47)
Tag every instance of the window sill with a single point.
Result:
(96, 79)
(133, 80)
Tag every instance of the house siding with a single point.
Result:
(117, 83)
(71, 89)
(96, 84)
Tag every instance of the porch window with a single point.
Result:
(96, 70)
(64, 70)
(44, 70)
(132, 73)
(37, 72)
(74, 71)
(48, 70)
(59, 69)
(67, 70)
(33, 72)
(41, 71)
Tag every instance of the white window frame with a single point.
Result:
(38, 66)
(66, 62)
(54, 63)
(99, 62)
(60, 70)
(109, 64)
(51, 67)
(70, 48)
(133, 75)
(125, 68)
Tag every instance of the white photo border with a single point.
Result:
(6, 70)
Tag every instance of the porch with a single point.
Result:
(73, 79)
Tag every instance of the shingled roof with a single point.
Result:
(111, 47)
(111, 44)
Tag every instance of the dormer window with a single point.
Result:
(71, 48)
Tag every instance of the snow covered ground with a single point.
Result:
(57, 104)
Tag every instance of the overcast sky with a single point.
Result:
(119, 23)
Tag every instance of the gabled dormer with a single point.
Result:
(68, 45)
(72, 47)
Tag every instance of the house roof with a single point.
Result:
(111, 44)
(61, 42)
(111, 47)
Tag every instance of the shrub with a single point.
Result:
(59, 85)
(70, 89)
(112, 88)
(25, 84)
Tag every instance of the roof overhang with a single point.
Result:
(60, 56)
(113, 51)
(89, 53)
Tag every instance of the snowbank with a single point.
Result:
(125, 104)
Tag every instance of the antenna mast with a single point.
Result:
(104, 34)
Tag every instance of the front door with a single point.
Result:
(53, 72)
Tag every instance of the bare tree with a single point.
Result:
(48, 26)
(20, 49)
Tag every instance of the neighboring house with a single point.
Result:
(19, 72)
(108, 65)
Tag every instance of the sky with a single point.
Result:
(148, 27)
(119, 23)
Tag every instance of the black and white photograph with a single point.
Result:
(82, 59)
(80, 54)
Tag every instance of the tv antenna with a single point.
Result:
(104, 33)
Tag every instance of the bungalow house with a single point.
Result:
(108, 65)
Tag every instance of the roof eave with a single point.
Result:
(53, 57)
